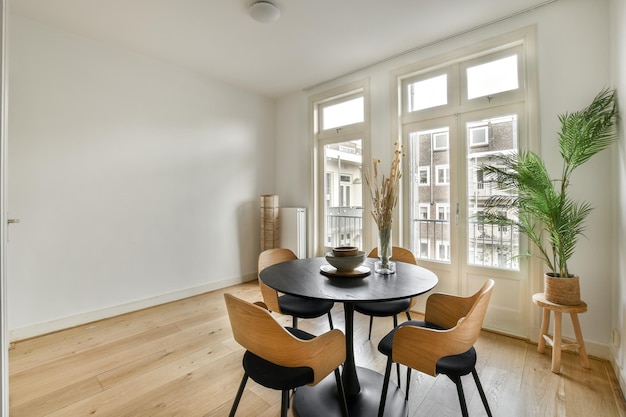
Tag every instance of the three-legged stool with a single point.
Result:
(557, 342)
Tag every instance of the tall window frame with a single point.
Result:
(522, 42)
(337, 136)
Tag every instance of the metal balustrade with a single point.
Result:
(488, 245)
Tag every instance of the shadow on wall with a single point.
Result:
(248, 224)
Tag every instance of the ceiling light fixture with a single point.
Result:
(264, 12)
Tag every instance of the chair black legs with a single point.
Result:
(342, 394)
(408, 383)
(383, 396)
(242, 385)
(284, 404)
(455, 378)
(395, 324)
(294, 321)
(481, 392)
(459, 388)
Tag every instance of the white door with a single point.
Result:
(454, 118)
(446, 192)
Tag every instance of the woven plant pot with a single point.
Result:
(564, 291)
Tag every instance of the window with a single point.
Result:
(440, 141)
(443, 212)
(479, 136)
(480, 98)
(443, 174)
(492, 77)
(424, 211)
(424, 175)
(443, 251)
(424, 249)
(338, 125)
(342, 114)
(428, 93)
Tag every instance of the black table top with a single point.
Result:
(302, 277)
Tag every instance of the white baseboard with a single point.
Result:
(91, 316)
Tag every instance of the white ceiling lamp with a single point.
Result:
(264, 12)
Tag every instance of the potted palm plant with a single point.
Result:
(540, 205)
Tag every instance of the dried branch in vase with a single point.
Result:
(385, 194)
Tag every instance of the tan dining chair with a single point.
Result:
(283, 358)
(296, 307)
(441, 344)
(389, 308)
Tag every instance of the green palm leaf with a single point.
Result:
(539, 205)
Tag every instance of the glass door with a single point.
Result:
(446, 195)
(342, 164)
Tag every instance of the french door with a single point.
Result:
(444, 194)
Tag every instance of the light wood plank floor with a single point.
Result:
(179, 359)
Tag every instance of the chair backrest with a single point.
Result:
(267, 258)
(421, 348)
(256, 330)
(397, 254)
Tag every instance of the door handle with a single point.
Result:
(13, 221)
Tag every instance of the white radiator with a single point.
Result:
(293, 230)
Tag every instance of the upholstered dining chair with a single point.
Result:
(283, 358)
(296, 307)
(441, 344)
(389, 308)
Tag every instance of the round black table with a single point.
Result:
(302, 277)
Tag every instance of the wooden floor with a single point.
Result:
(179, 359)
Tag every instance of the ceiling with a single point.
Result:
(313, 41)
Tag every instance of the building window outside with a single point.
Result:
(443, 212)
(440, 141)
(443, 174)
(479, 136)
(424, 175)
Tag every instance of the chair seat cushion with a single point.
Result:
(303, 307)
(454, 365)
(383, 308)
(275, 376)
(386, 343)
(457, 365)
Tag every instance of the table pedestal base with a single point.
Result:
(322, 399)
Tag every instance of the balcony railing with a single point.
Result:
(488, 245)
(344, 227)
(493, 246)
(431, 239)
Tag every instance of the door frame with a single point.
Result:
(4, 341)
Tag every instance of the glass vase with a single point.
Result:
(384, 265)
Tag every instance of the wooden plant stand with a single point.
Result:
(557, 342)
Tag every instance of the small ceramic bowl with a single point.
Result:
(346, 263)
(346, 251)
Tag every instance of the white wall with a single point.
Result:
(573, 59)
(135, 182)
(618, 55)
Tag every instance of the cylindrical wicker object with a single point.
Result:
(270, 233)
(564, 291)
